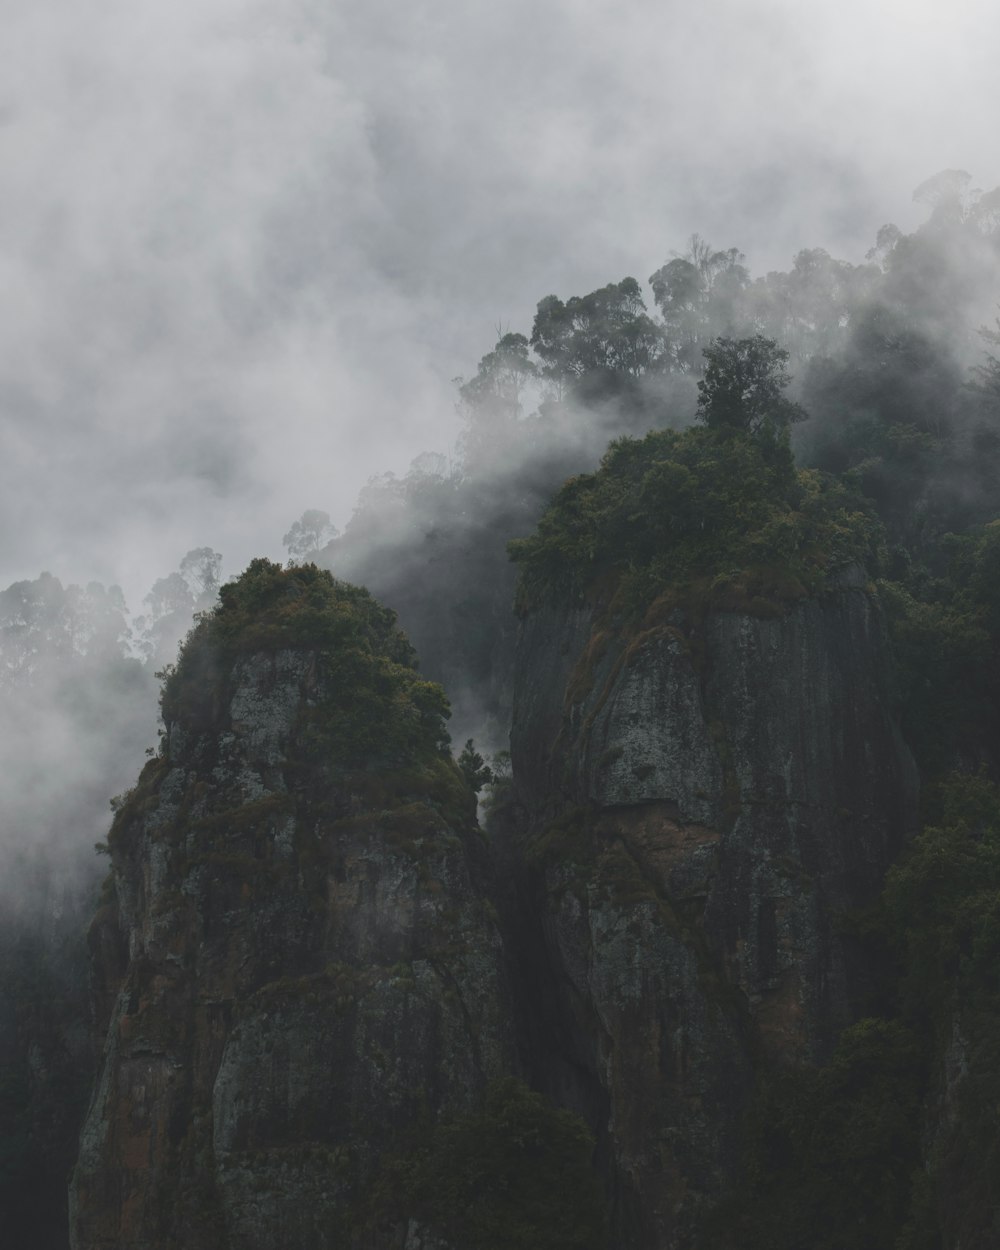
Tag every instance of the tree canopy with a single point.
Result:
(743, 387)
(672, 507)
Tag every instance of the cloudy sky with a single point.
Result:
(245, 245)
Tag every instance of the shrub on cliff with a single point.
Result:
(374, 709)
(831, 1151)
(707, 502)
(518, 1173)
(893, 1142)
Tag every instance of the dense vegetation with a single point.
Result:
(706, 505)
(377, 710)
(885, 356)
(517, 1173)
(838, 1157)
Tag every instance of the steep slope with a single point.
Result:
(299, 970)
(702, 806)
(709, 778)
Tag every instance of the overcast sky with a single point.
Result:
(245, 245)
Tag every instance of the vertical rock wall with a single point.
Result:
(312, 977)
(704, 799)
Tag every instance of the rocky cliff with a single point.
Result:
(316, 980)
(705, 795)
(297, 965)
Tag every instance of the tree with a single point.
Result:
(201, 568)
(699, 294)
(500, 380)
(944, 189)
(474, 768)
(743, 384)
(45, 627)
(308, 535)
(516, 1173)
(492, 402)
(173, 601)
(603, 336)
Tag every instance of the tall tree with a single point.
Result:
(592, 342)
(173, 601)
(699, 295)
(743, 387)
(308, 535)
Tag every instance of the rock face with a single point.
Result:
(704, 798)
(307, 991)
(299, 969)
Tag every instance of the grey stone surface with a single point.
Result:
(306, 985)
(742, 783)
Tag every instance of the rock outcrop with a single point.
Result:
(314, 979)
(705, 796)
(300, 970)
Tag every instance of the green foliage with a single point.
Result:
(943, 905)
(975, 572)
(677, 506)
(474, 768)
(376, 712)
(598, 336)
(889, 408)
(946, 635)
(941, 649)
(518, 1173)
(831, 1150)
(943, 899)
(838, 1156)
(743, 384)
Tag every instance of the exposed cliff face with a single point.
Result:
(304, 981)
(312, 974)
(704, 798)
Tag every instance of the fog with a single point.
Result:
(247, 244)
(250, 247)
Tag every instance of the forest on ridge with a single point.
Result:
(724, 443)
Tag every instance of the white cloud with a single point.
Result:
(245, 244)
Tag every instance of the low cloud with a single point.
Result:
(246, 244)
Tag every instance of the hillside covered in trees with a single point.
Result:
(890, 365)
(711, 581)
